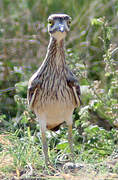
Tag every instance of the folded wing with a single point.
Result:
(33, 89)
(74, 85)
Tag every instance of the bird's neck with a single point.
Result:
(55, 52)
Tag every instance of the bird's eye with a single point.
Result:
(69, 22)
(51, 23)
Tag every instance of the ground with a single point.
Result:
(105, 170)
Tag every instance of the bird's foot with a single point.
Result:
(72, 167)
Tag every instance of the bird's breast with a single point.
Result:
(54, 90)
(54, 87)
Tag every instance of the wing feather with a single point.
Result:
(33, 88)
(74, 85)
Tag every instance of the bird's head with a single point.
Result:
(59, 25)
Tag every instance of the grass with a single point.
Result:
(22, 158)
(92, 54)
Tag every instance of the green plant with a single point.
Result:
(92, 55)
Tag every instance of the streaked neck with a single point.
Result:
(55, 52)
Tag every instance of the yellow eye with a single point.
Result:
(69, 22)
(51, 23)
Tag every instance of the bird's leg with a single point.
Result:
(70, 139)
(45, 146)
(42, 123)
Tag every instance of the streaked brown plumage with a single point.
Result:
(53, 91)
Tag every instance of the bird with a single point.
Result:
(53, 90)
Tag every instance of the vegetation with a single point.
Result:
(92, 54)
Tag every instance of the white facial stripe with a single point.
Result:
(66, 26)
(59, 29)
(56, 25)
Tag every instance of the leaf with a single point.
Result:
(97, 21)
(94, 128)
(62, 145)
(24, 119)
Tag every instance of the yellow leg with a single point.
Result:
(45, 146)
(70, 140)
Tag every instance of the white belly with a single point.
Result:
(56, 113)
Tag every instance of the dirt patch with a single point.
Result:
(5, 158)
(4, 140)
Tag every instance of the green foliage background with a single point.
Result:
(92, 54)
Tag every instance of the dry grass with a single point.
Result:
(6, 160)
(87, 172)
(81, 177)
